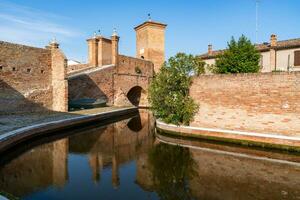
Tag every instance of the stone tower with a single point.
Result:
(103, 51)
(150, 42)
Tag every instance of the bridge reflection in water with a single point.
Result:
(125, 161)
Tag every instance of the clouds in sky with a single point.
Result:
(21, 24)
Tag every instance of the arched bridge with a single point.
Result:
(121, 85)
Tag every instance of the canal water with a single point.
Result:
(127, 160)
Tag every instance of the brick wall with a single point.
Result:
(27, 79)
(127, 78)
(112, 83)
(128, 65)
(266, 102)
(95, 84)
(59, 81)
(76, 68)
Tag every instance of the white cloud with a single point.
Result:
(31, 26)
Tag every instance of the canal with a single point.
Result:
(127, 160)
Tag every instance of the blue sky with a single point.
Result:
(192, 24)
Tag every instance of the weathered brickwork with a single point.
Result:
(25, 78)
(150, 42)
(59, 81)
(130, 65)
(95, 84)
(123, 84)
(267, 102)
(126, 80)
(76, 68)
(113, 82)
(133, 75)
(28, 79)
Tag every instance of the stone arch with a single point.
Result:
(137, 96)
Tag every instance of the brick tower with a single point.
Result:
(150, 42)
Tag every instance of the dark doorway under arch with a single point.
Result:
(134, 95)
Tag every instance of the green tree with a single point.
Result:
(172, 168)
(240, 57)
(169, 90)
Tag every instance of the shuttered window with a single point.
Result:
(297, 59)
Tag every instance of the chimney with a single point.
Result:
(273, 40)
(273, 54)
(93, 51)
(210, 51)
(114, 47)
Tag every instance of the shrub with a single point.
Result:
(137, 70)
(239, 57)
(169, 90)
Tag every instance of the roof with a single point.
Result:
(150, 23)
(283, 44)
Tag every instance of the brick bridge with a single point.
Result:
(38, 79)
(119, 84)
(120, 80)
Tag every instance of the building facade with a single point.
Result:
(275, 55)
(118, 79)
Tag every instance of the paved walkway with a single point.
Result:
(16, 121)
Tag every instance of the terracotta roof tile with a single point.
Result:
(284, 44)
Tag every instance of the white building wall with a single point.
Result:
(282, 59)
(265, 61)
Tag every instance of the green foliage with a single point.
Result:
(172, 167)
(169, 90)
(8, 196)
(240, 57)
(138, 70)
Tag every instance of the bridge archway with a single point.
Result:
(137, 96)
(135, 124)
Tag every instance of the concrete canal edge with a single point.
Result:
(12, 138)
(272, 141)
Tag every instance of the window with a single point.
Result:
(28, 70)
(1, 67)
(14, 69)
(297, 58)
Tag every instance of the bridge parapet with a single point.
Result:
(134, 66)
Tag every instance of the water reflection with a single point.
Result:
(172, 168)
(125, 161)
(37, 168)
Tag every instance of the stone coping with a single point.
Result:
(88, 71)
(231, 153)
(268, 140)
(11, 138)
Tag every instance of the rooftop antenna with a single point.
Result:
(54, 41)
(256, 22)
(115, 32)
(149, 17)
